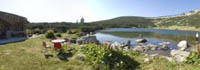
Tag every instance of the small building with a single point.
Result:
(12, 26)
(82, 20)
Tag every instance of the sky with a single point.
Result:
(94, 10)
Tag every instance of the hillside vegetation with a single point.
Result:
(126, 21)
(186, 19)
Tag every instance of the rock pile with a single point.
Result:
(180, 54)
(88, 39)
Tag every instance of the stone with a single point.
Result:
(82, 34)
(107, 43)
(153, 56)
(179, 55)
(126, 48)
(152, 46)
(138, 48)
(89, 39)
(182, 45)
(116, 46)
(79, 56)
(147, 60)
(80, 41)
(164, 43)
(164, 47)
(141, 41)
(169, 58)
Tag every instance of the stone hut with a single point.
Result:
(12, 26)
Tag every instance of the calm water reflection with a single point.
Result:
(154, 36)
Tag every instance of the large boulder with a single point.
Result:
(164, 45)
(139, 48)
(182, 45)
(151, 47)
(107, 43)
(89, 39)
(179, 55)
(116, 46)
(141, 41)
(147, 60)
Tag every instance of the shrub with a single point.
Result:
(74, 31)
(99, 55)
(37, 31)
(29, 32)
(50, 34)
(194, 58)
(58, 35)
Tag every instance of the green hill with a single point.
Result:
(184, 21)
(126, 21)
(191, 18)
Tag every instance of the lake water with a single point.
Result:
(154, 36)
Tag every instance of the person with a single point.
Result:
(197, 37)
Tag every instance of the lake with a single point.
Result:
(154, 36)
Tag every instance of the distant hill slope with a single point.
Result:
(185, 20)
(126, 21)
(191, 18)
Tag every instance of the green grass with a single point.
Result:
(29, 55)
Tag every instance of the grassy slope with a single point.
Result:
(28, 55)
(126, 21)
(190, 22)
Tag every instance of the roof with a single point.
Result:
(12, 18)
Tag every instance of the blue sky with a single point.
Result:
(94, 10)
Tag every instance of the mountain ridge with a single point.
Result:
(191, 18)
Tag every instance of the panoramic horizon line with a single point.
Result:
(149, 17)
(122, 16)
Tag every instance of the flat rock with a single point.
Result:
(141, 41)
(179, 55)
(182, 45)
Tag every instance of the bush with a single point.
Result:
(58, 35)
(29, 32)
(74, 31)
(37, 31)
(194, 58)
(113, 60)
(50, 34)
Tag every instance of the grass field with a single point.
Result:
(29, 55)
